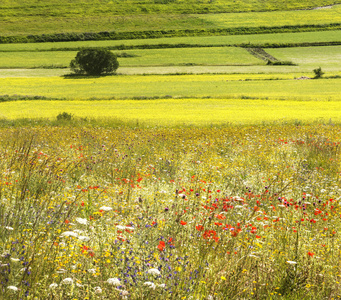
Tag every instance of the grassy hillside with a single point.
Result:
(62, 8)
(37, 17)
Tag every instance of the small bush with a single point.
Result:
(64, 116)
(318, 73)
(280, 63)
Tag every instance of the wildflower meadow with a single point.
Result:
(235, 212)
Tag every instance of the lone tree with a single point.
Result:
(94, 62)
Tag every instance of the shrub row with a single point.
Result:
(289, 45)
(87, 36)
(5, 98)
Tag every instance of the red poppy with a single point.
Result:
(310, 254)
(87, 250)
(234, 233)
(199, 227)
(183, 223)
(221, 217)
(161, 246)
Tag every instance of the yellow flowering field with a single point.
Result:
(174, 112)
(239, 212)
(269, 86)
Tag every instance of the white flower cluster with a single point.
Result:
(153, 272)
(105, 208)
(114, 281)
(82, 221)
(67, 281)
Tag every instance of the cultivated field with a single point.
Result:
(176, 86)
(165, 112)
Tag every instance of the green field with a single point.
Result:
(328, 58)
(175, 86)
(278, 18)
(26, 19)
(175, 112)
(306, 58)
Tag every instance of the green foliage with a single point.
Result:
(94, 62)
(318, 73)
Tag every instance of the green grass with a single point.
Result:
(70, 17)
(170, 112)
(275, 38)
(53, 59)
(175, 86)
(152, 57)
